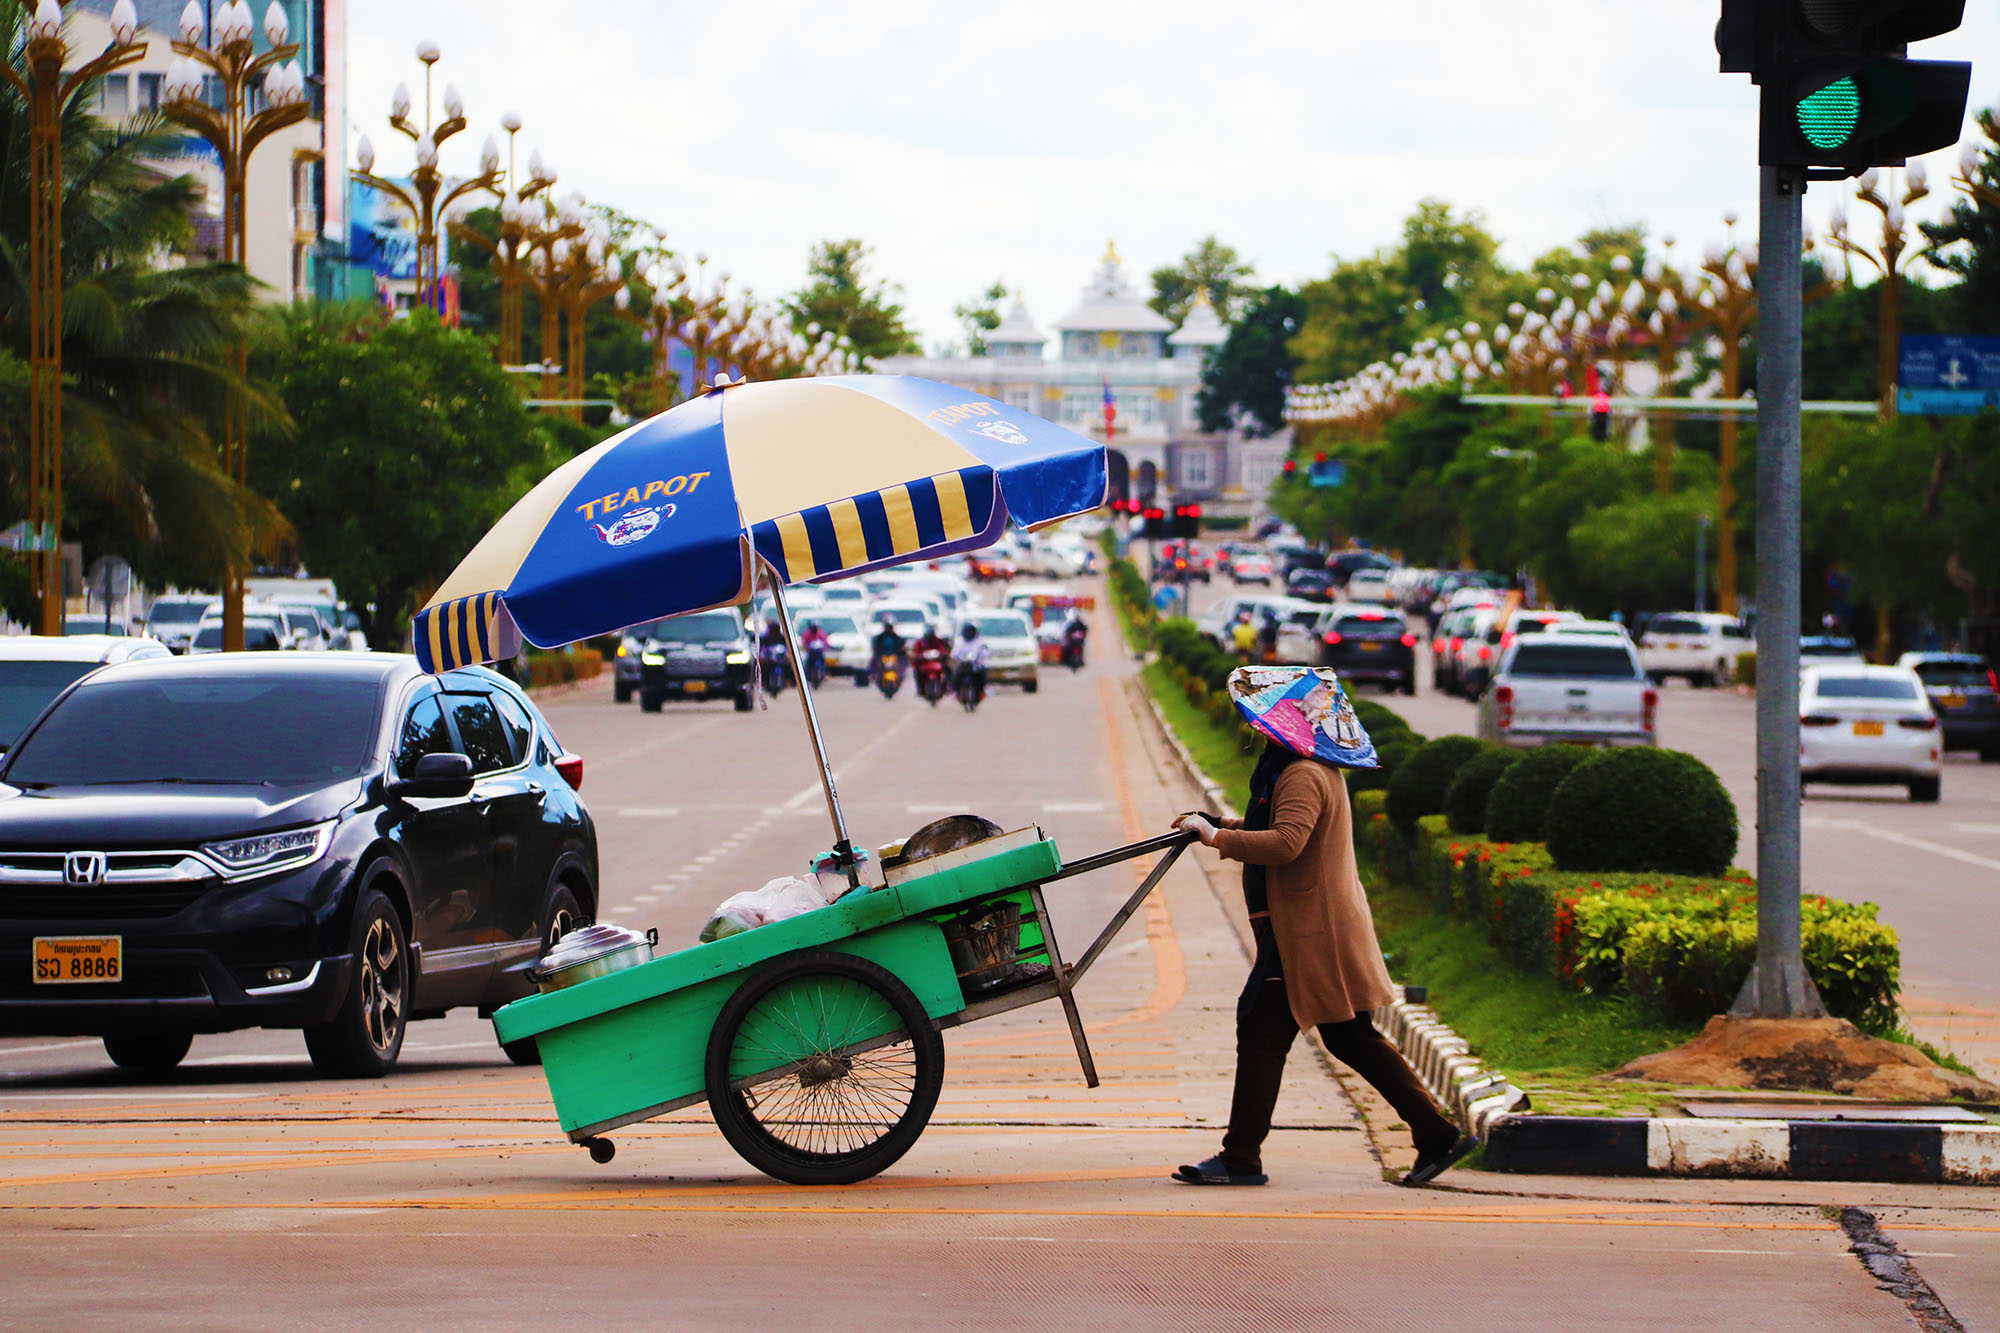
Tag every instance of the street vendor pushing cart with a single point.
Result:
(1318, 964)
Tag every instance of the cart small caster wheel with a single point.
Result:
(601, 1150)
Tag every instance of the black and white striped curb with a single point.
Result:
(1475, 1096)
(1961, 1154)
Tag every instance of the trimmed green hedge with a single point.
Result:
(1420, 783)
(1465, 799)
(1642, 809)
(1517, 809)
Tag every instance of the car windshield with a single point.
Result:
(1391, 625)
(1673, 625)
(711, 627)
(1000, 627)
(902, 615)
(92, 626)
(1864, 687)
(1605, 661)
(835, 624)
(1829, 648)
(238, 730)
(165, 614)
(1954, 675)
(27, 687)
(846, 595)
(301, 620)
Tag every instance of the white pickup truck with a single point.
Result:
(1569, 689)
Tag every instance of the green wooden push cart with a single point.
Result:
(816, 1041)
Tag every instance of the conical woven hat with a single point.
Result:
(1305, 710)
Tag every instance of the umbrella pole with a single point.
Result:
(842, 848)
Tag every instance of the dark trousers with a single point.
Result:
(1265, 1030)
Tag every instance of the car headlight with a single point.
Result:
(652, 659)
(272, 851)
(738, 659)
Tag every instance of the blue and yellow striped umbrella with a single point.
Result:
(816, 478)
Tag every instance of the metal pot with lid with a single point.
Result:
(590, 952)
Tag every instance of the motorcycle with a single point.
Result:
(932, 681)
(815, 665)
(1072, 651)
(774, 662)
(971, 689)
(888, 674)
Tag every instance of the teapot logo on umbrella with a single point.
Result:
(633, 525)
(1004, 431)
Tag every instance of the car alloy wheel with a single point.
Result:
(383, 964)
(366, 1035)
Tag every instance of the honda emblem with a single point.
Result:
(84, 868)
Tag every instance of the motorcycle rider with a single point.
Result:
(933, 647)
(813, 643)
(887, 644)
(1074, 634)
(968, 657)
(771, 650)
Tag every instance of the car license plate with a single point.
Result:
(66, 958)
(1368, 647)
(695, 686)
(1951, 701)
(1868, 728)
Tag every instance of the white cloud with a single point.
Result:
(969, 142)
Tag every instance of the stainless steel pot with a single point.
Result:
(592, 951)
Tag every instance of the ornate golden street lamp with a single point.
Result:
(47, 90)
(1970, 156)
(1728, 299)
(426, 207)
(1677, 313)
(510, 253)
(548, 244)
(1875, 190)
(591, 274)
(234, 130)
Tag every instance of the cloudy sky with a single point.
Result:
(1010, 139)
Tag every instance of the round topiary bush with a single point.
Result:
(1392, 751)
(1642, 809)
(1465, 799)
(1517, 809)
(1419, 784)
(1375, 719)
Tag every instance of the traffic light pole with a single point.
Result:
(1778, 986)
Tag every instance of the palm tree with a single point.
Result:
(145, 375)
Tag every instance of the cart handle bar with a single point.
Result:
(1171, 843)
(1125, 853)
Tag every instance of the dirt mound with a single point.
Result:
(1807, 1055)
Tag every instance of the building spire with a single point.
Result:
(1111, 259)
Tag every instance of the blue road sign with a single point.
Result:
(1328, 472)
(1947, 374)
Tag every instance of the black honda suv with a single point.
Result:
(327, 841)
(1364, 643)
(704, 656)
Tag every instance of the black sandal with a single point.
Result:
(1432, 1165)
(1215, 1171)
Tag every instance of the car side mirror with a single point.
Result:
(435, 775)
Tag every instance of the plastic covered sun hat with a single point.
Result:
(1305, 710)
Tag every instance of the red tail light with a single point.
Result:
(1456, 643)
(1818, 720)
(1485, 651)
(571, 768)
(1409, 640)
(1928, 723)
(1503, 707)
(1649, 705)
(1437, 645)
(1993, 681)
(1506, 638)
(1332, 638)
(1371, 615)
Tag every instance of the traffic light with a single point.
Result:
(1154, 527)
(1187, 521)
(1600, 416)
(1838, 90)
(1291, 469)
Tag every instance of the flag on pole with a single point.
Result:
(1110, 410)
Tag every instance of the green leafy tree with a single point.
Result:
(1967, 243)
(980, 316)
(839, 295)
(1247, 376)
(1210, 267)
(389, 485)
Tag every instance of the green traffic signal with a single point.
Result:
(1827, 118)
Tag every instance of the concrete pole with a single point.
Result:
(1778, 986)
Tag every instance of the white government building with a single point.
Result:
(1154, 372)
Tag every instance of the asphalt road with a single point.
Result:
(1933, 869)
(243, 1191)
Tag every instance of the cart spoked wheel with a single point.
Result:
(823, 1068)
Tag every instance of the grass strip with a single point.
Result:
(1216, 752)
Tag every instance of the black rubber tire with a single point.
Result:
(650, 703)
(1410, 686)
(148, 1052)
(1990, 755)
(813, 969)
(621, 691)
(560, 915)
(1657, 677)
(1030, 686)
(366, 1036)
(1925, 791)
(741, 700)
(861, 680)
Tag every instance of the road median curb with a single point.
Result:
(1774, 1149)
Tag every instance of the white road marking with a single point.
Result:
(647, 812)
(1974, 828)
(51, 1046)
(1072, 807)
(1901, 840)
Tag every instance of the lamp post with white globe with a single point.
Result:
(428, 182)
(46, 88)
(518, 219)
(223, 47)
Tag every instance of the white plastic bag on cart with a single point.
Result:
(779, 900)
